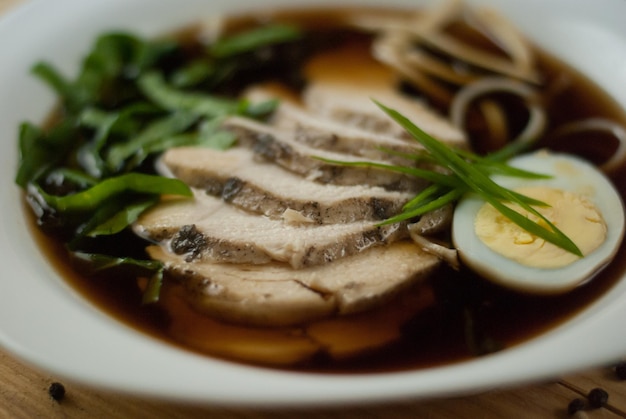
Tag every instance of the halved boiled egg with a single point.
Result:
(582, 203)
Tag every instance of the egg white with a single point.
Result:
(580, 177)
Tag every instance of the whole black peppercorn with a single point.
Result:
(575, 405)
(598, 397)
(620, 370)
(56, 391)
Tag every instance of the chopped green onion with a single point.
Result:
(425, 206)
(429, 175)
(476, 178)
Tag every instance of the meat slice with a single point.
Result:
(275, 294)
(208, 229)
(319, 132)
(279, 146)
(265, 188)
(350, 135)
(330, 135)
(352, 105)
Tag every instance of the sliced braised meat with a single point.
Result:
(281, 236)
(319, 132)
(350, 104)
(434, 222)
(279, 146)
(330, 135)
(276, 295)
(334, 337)
(267, 189)
(206, 228)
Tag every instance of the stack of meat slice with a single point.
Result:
(278, 235)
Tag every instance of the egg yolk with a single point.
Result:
(575, 215)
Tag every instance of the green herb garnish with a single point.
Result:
(467, 173)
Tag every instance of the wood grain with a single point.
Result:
(24, 395)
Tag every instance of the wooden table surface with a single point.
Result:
(24, 394)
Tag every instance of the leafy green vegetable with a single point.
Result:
(114, 59)
(122, 218)
(254, 39)
(90, 199)
(194, 73)
(125, 122)
(63, 87)
(89, 175)
(99, 262)
(40, 151)
(136, 147)
(153, 85)
(208, 135)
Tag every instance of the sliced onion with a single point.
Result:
(427, 28)
(434, 222)
(437, 68)
(389, 50)
(450, 256)
(537, 117)
(618, 158)
(439, 16)
(496, 122)
(504, 34)
(464, 52)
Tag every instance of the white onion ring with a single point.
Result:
(427, 28)
(450, 256)
(504, 34)
(389, 49)
(496, 121)
(437, 68)
(599, 124)
(537, 118)
(464, 52)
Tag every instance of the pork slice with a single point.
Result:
(261, 187)
(280, 147)
(351, 104)
(325, 133)
(275, 294)
(206, 228)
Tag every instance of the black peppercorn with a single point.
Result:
(575, 405)
(598, 397)
(620, 370)
(56, 391)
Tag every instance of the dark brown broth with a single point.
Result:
(439, 335)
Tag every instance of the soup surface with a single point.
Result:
(452, 316)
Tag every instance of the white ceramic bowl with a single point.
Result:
(48, 324)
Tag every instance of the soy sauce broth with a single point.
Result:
(469, 317)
